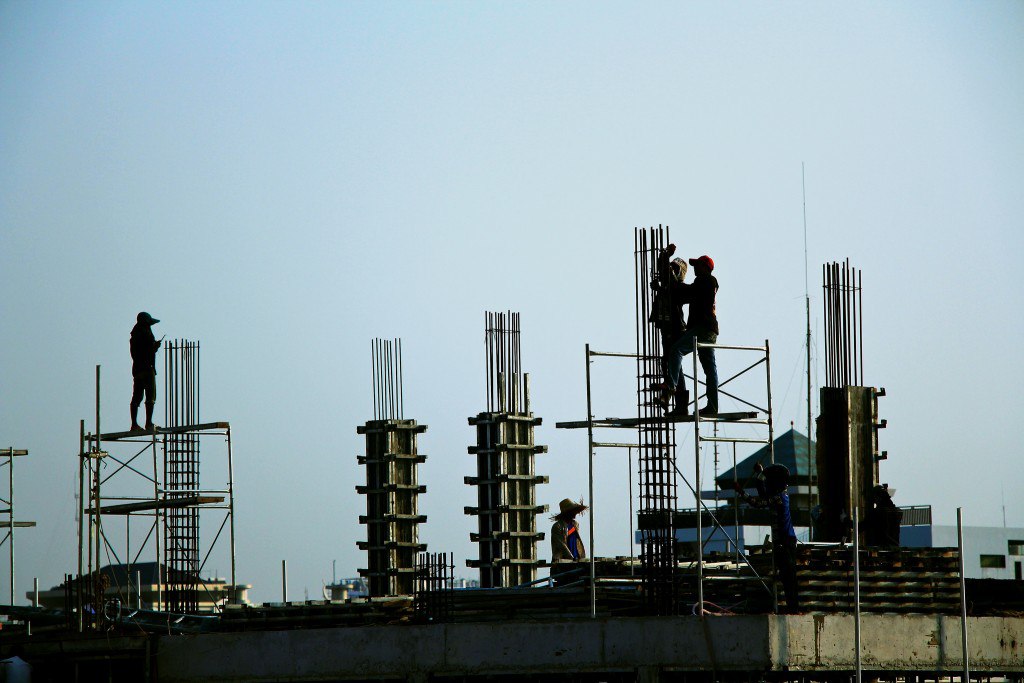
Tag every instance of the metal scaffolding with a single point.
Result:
(659, 474)
(8, 522)
(505, 451)
(392, 487)
(152, 480)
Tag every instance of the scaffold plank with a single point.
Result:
(141, 434)
(168, 504)
(631, 422)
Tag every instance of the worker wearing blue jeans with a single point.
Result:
(701, 326)
(683, 347)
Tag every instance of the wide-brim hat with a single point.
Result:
(146, 318)
(570, 507)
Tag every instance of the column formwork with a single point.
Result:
(392, 516)
(507, 508)
(506, 477)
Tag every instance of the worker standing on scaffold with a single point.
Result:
(667, 317)
(143, 347)
(701, 326)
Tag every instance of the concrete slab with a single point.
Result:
(645, 645)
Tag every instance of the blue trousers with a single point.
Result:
(682, 347)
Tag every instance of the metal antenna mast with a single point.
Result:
(807, 301)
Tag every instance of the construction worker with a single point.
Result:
(882, 521)
(701, 326)
(567, 551)
(772, 485)
(667, 316)
(143, 347)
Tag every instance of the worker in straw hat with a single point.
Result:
(567, 549)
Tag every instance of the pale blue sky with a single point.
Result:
(286, 181)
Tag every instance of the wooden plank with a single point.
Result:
(630, 422)
(184, 429)
(171, 503)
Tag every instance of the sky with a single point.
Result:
(284, 182)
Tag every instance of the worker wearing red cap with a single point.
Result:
(701, 326)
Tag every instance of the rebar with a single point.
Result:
(181, 475)
(432, 596)
(505, 379)
(844, 329)
(656, 452)
(386, 364)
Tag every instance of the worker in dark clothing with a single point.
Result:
(883, 519)
(143, 347)
(701, 326)
(772, 492)
(667, 317)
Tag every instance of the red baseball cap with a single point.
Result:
(705, 259)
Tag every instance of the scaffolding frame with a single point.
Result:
(656, 443)
(7, 518)
(145, 464)
(670, 423)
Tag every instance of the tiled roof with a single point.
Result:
(790, 450)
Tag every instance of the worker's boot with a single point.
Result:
(150, 427)
(662, 395)
(135, 418)
(710, 409)
(682, 407)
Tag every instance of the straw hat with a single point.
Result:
(570, 507)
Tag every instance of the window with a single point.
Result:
(993, 561)
(1015, 547)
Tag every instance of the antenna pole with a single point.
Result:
(807, 301)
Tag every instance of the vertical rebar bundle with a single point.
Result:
(392, 480)
(506, 382)
(181, 475)
(844, 333)
(432, 599)
(655, 437)
(848, 424)
(387, 379)
(506, 478)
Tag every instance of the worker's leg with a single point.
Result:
(785, 563)
(150, 400)
(682, 400)
(707, 362)
(138, 388)
(682, 347)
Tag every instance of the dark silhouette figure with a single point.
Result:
(883, 519)
(772, 485)
(667, 317)
(701, 326)
(143, 346)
